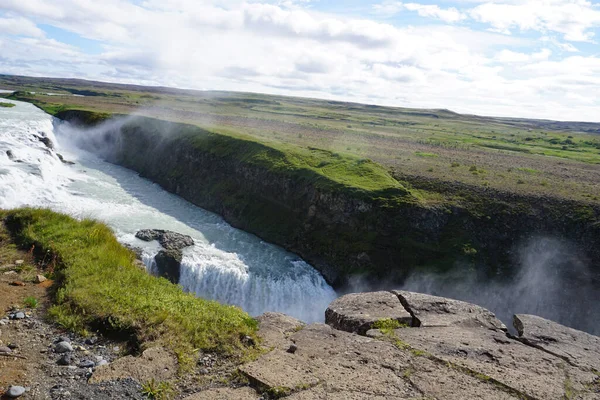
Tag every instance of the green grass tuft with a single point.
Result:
(98, 284)
(6, 105)
(388, 325)
(30, 302)
(157, 390)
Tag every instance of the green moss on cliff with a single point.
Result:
(322, 168)
(98, 284)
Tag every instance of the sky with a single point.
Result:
(520, 58)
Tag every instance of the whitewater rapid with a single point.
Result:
(225, 264)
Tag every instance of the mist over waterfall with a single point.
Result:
(552, 282)
(225, 264)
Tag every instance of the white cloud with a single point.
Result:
(508, 56)
(574, 19)
(433, 11)
(19, 26)
(285, 48)
(390, 7)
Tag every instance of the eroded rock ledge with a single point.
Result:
(438, 348)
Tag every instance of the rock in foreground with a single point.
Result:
(448, 350)
(575, 347)
(357, 312)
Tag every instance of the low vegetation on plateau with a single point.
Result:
(544, 158)
(98, 286)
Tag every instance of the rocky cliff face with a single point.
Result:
(343, 232)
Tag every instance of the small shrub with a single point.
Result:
(157, 390)
(455, 165)
(473, 168)
(278, 392)
(31, 302)
(520, 182)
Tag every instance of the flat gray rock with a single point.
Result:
(357, 312)
(491, 355)
(429, 311)
(275, 328)
(335, 365)
(576, 347)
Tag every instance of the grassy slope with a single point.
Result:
(98, 285)
(522, 156)
(322, 168)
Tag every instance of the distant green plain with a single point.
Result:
(543, 158)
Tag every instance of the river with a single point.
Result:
(225, 264)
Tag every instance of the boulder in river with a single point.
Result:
(168, 261)
(169, 240)
(168, 264)
(61, 158)
(47, 142)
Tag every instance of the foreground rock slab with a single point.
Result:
(431, 311)
(332, 364)
(576, 347)
(492, 356)
(357, 312)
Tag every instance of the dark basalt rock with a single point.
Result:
(168, 264)
(168, 261)
(47, 142)
(61, 158)
(168, 240)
